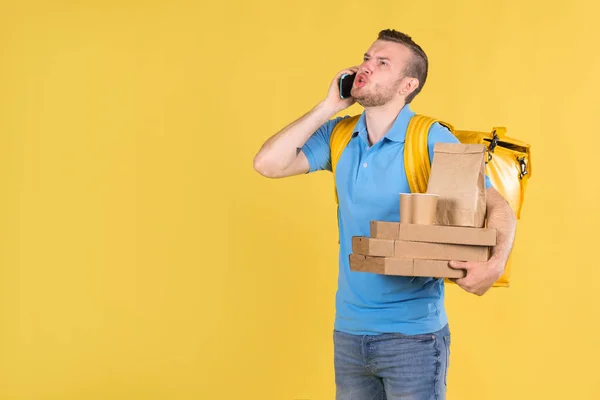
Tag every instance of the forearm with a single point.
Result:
(502, 218)
(280, 150)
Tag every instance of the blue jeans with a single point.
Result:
(391, 366)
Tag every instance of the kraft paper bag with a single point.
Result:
(458, 177)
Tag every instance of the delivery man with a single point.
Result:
(391, 334)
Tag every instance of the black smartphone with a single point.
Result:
(346, 82)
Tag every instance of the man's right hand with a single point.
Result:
(333, 101)
(279, 156)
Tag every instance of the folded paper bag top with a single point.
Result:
(458, 177)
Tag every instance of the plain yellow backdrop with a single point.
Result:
(143, 258)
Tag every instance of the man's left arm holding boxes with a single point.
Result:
(482, 275)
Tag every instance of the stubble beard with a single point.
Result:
(378, 96)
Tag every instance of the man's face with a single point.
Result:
(380, 76)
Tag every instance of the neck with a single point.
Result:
(380, 119)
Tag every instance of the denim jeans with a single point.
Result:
(391, 366)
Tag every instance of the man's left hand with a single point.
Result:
(480, 275)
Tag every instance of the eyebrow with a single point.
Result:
(381, 58)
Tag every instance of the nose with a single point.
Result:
(366, 67)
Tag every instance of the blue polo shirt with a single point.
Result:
(369, 180)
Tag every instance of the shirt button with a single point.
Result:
(365, 165)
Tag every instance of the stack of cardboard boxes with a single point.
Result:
(421, 244)
(395, 248)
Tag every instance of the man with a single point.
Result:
(391, 334)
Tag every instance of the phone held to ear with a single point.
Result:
(346, 82)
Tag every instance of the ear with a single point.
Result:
(408, 86)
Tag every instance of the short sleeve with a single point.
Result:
(488, 183)
(439, 133)
(317, 149)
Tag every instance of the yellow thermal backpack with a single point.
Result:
(508, 163)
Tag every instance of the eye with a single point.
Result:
(365, 58)
(383, 63)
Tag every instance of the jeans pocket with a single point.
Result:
(447, 342)
(425, 337)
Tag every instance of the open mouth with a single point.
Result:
(360, 80)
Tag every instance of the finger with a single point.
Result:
(458, 265)
(346, 71)
(466, 265)
(351, 71)
(464, 284)
(461, 282)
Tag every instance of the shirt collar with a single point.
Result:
(397, 132)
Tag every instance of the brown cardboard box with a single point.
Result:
(418, 250)
(448, 234)
(384, 229)
(437, 269)
(403, 267)
(381, 265)
(434, 233)
(372, 246)
(440, 251)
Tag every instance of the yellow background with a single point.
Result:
(143, 258)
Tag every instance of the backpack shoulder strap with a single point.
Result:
(416, 152)
(340, 136)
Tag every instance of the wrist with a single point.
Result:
(326, 110)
